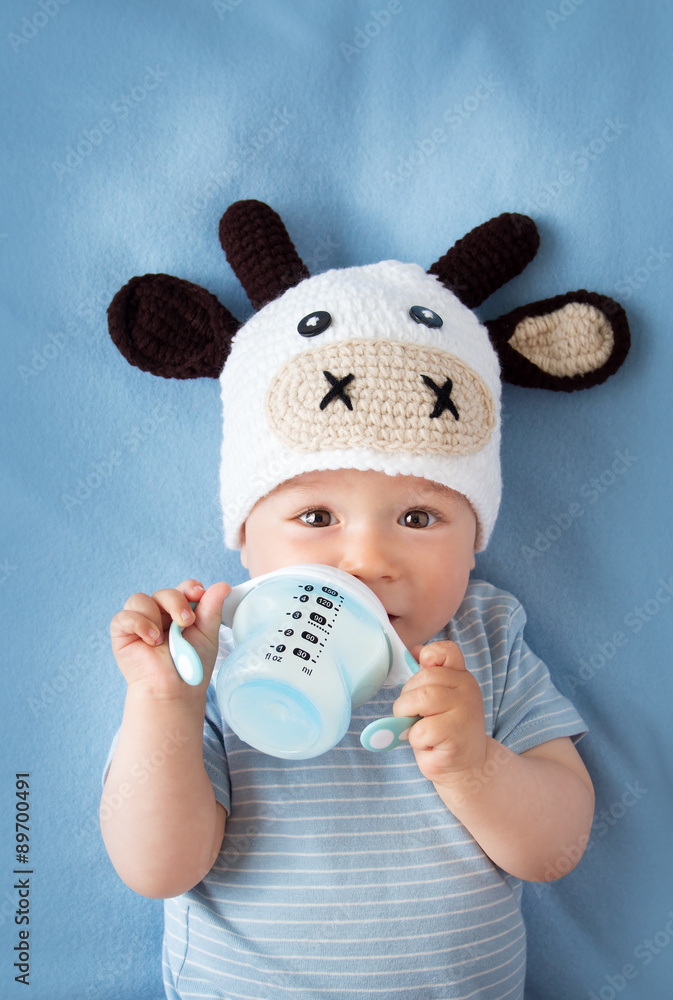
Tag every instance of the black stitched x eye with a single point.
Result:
(337, 390)
(314, 323)
(443, 399)
(421, 314)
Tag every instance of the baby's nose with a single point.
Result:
(380, 394)
(368, 558)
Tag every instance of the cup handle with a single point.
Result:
(388, 733)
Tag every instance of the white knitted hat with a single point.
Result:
(284, 413)
(383, 367)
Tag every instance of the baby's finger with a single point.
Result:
(175, 607)
(145, 605)
(204, 633)
(433, 734)
(442, 654)
(442, 663)
(192, 589)
(127, 624)
(426, 699)
(209, 608)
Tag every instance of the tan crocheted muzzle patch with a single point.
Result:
(382, 395)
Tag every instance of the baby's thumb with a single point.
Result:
(208, 612)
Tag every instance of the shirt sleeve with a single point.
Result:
(530, 709)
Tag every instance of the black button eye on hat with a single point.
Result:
(314, 323)
(421, 314)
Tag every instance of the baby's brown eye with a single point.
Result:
(416, 519)
(316, 518)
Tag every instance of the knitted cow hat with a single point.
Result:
(383, 367)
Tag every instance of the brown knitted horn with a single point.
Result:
(488, 257)
(171, 327)
(260, 251)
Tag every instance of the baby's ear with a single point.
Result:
(568, 342)
(170, 327)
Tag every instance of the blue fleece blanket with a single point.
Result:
(378, 131)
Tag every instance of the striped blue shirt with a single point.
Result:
(345, 876)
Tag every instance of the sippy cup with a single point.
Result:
(311, 643)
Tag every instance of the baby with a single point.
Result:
(355, 873)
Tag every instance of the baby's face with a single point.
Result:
(411, 541)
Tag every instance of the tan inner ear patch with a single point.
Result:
(374, 395)
(573, 340)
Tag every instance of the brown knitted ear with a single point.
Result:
(488, 257)
(571, 341)
(260, 251)
(170, 327)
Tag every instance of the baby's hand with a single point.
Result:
(450, 739)
(140, 636)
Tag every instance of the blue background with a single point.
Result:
(129, 127)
